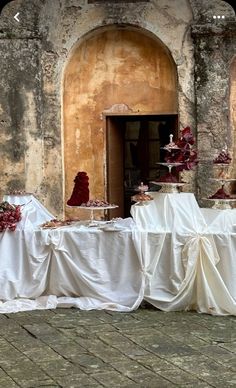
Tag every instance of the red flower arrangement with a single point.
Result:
(184, 152)
(9, 216)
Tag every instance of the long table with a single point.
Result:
(170, 253)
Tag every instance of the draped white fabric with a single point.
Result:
(80, 266)
(195, 268)
(33, 212)
(172, 254)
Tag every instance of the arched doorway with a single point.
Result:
(112, 72)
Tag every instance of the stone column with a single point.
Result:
(214, 50)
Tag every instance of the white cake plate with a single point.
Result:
(223, 180)
(93, 208)
(168, 187)
(221, 203)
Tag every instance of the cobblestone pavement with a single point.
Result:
(146, 348)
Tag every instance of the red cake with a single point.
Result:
(220, 194)
(80, 193)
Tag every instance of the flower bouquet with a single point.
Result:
(183, 153)
(9, 216)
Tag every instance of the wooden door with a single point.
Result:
(115, 164)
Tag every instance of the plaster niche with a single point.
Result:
(112, 71)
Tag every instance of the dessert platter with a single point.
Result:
(221, 198)
(96, 204)
(55, 223)
(142, 198)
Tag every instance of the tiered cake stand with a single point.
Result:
(141, 190)
(169, 187)
(222, 203)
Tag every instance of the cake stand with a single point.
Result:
(169, 187)
(91, 209)
(222, 167)
(141, 190)
(172, 146)
(222, 203)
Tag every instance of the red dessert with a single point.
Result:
(223, 157)
(220, 194)
(169, 178)
(80, 193)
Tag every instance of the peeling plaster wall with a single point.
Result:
(110, 68)
(20, 106)
(35, 52)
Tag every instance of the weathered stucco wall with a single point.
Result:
(36, 51)
(112, 68)
(20, 107)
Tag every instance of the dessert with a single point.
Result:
(141, 197)
(168, 178)
(220, 194)
(142, 187)
(96, 203)
(54, 223)
(80, 193)
(18, 192)
(177, 157)
(223, 157)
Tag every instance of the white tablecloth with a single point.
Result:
(195, 266)
(81, 266)
(172, 254)
(33, 212)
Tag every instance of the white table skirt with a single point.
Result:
(178, 260)
(70, 266)
(195, 266)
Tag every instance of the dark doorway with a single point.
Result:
(134, 147)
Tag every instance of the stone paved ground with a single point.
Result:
(146, 348)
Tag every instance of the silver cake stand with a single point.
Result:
(142, 189)
(169, 187)
(221, 203)
(91, 209)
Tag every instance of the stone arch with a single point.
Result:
(117, 70)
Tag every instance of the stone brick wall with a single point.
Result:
(214, 46)
(34, 54)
